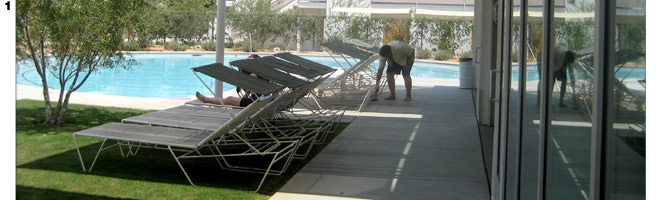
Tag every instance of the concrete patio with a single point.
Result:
(428, 148)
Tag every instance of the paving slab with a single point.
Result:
(428, 148)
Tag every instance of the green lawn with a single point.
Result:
(48, 165)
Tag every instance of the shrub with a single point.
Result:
(243, 46)
(209, 46)
(131, 46)
(514, 57)
(443, 55)
(424, 54)
(175, 46)
(143, 42)
(229, 43)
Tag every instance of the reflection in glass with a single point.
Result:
(513, 107)
(625, 147)
(569, 138)
(531, 111)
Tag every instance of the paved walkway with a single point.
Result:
(425, 149)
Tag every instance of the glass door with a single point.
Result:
(570, 118)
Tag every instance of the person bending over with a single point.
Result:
(562, 59)
(400, 58)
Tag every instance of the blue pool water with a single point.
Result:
(169, 75)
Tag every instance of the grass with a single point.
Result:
(48, 165)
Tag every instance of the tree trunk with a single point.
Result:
(47, 106)
(41, 70)
(44, 83)
(58, 110)
(63, 109)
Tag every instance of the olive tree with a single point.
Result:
(70, 40)
(255, 17)
(190, 20)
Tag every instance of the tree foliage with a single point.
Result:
(254, 17)
(71, 40)
(362, 28)
(397, 30)
(448, 34)
(190, 20)
(257, 18)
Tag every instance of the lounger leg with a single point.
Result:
(79, 156)
(364, 99)
(315, 100)
(98, 152)
(266, 173)
(180, 166)
(222, 157)
(310, 147)
(130, 153)
(289, 160)
(216, 157)
(312, 140)
(119, 144)
(323, 134)
(137, 148)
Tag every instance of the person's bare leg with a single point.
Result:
(407, 87)
(539, 89)
(390, 81)
(563, 85)
(234, 101)
(204, 99)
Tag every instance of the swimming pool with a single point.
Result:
(169, 75)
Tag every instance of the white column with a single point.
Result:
(220, 42)
(484, 47)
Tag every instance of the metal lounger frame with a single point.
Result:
(191, 141)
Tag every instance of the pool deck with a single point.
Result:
(428, 148)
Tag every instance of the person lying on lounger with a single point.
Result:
(246, 99)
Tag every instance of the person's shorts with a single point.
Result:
(245, 102)
(398, 69)
(559, 75)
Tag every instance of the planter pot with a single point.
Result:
(466, 73)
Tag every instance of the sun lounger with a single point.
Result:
(355, 85)
(280, 70)
(187, 143)
(201, 118)
(304, 129)
(283, 101)
(305, 62)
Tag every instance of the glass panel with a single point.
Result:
(569, 139)
(626, 149)
(531, 109)
(513, 107)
